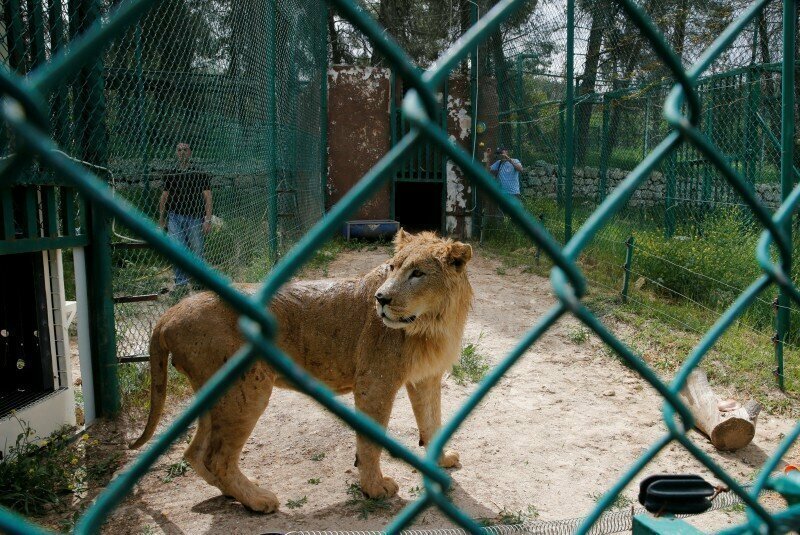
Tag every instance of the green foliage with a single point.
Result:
(620, 502)
(176, 469)
(507, 517)
(472, 366)
(314, 481)
(365, 506)
(297, 504)
(318, 456)
(36, 473)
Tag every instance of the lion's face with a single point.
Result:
(422, 278)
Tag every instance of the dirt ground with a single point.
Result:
(564, 424)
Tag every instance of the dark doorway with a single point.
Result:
(418, 205)
(26, 367)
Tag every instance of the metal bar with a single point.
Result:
(93, 146)
(626, 277)
(272, 138)
(12, 12)
(135, 298)
(7, 213)
(31, 212)
(29, 245)
(605, 150)
(787, 166)
(68, 211)
(393, 137)
(569, 121)
(59, 111)
(323, 112)
(50, 212)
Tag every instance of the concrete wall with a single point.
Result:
(358, 133)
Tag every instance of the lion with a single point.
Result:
(399, 325)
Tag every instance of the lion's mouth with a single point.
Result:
(402, 320)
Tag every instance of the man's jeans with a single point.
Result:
(187, 230)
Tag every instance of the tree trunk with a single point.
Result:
(729, 425)
(583, 112)
(679, 35)
(337, 56)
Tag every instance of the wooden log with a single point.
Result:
(729, 425)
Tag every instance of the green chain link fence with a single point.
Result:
(26, 112)
(693, 234)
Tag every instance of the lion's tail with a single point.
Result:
(159, 354)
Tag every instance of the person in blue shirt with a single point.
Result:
(507, 170)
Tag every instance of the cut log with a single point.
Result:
(728, 424)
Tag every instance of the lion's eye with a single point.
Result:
(416, 273)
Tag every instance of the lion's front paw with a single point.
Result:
(261, 501)
(449, 459)
(380, 488)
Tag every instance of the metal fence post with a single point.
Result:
(604, 149)
(787, 165)
(93, 143)
(626, 277)
(569, 120)
(272, 134)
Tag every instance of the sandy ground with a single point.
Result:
(564, 424)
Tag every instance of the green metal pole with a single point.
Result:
(520, 100)
(101, 305)
(562, 141)
(753, 80)
(392, 135)
(55, 20)
(272, 135)
(669, 194)
(323, 111)
(626, 277)
(646, 139)
(141, 119)
(787, 164)
(569, 120)
(604, 149)
(473, 96)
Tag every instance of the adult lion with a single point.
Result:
(399, 325)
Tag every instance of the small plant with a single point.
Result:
(363, 505)
(297, 504)
(314, 481)
(501, 271)
(472, 366)
(507, 517)
(416, 492)
(318, 456)
(36, 473)
(578, 335)
(620, 502)
(176, 469)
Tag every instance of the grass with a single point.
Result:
(297, 504)
(176, 469)
(507, 517)
(472, 366)
(620, 502)
(578, 335)
(674, 303)
(318, 456)
(314, 481)
(40, 476)
(365, 506)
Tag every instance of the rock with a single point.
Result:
(609, 393)
(78, 382)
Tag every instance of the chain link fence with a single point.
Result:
(26, 115)
(690, 233)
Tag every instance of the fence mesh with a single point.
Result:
(26, 112)
(693, 234)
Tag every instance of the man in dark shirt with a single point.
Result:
(186, 200)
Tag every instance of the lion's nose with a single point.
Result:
(382, 300)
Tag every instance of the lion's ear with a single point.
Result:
(400, 239)
(458, 254)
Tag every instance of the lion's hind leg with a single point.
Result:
(232, 421)
(196, 451)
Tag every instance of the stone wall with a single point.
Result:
(539, 180)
